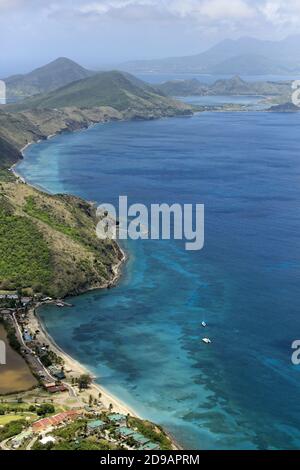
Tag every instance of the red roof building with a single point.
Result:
(55, 420)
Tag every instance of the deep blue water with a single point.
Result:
(143, 339)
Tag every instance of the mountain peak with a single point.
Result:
(63, 61)
(58, 73)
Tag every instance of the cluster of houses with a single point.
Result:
(118, 422)
(43, 425)
(15, 301)
(12, 303)
(56, 420)
(122, 431)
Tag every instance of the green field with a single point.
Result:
(5, 419)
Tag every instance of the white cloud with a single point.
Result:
(221, 9)
(212, 9)
(9, 4)
(281, 12)
(105, 6)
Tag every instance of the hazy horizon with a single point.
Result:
(104, 33)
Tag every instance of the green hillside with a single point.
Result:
(115, 89)
(8, 154)
(48, 243)
(58, 73)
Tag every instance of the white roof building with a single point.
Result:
(47, 439)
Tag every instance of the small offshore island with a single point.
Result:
(49, 251)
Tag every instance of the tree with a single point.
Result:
(84, 381)
(45, 409)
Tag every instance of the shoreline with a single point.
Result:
(77, 368)
(107, 398)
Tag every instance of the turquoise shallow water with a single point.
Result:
(143, 339)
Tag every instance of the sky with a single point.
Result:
(107, 32)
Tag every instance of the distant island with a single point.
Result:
(226, 87)
(244, 56)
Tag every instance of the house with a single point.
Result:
(150, 446)
(95, 425)
(57, 373)
(140, 439)
(57, 388)
(25, 301)
(49, 385)
(124, 432)
(52, 387)
(55, 420)
(27, 337)
(47, 439)
(41, 351)
(117, 419)
(12, 297)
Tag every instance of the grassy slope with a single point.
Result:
(48, 243)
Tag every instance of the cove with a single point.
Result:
(143, 338)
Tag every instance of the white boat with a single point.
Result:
(204, 324)
(206, 340)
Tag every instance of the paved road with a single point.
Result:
(35, 361)
(3, 445)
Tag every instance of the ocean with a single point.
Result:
(142, 339)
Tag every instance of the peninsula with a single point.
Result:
(49, 250)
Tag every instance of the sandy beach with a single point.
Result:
(13, 167)
(74, 369)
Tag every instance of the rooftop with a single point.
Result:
(97, 423)
(116, 417)
(149, 446)
(140, 438)
(47, 439)
(125, 432)
(54, 420)
(27, 337)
